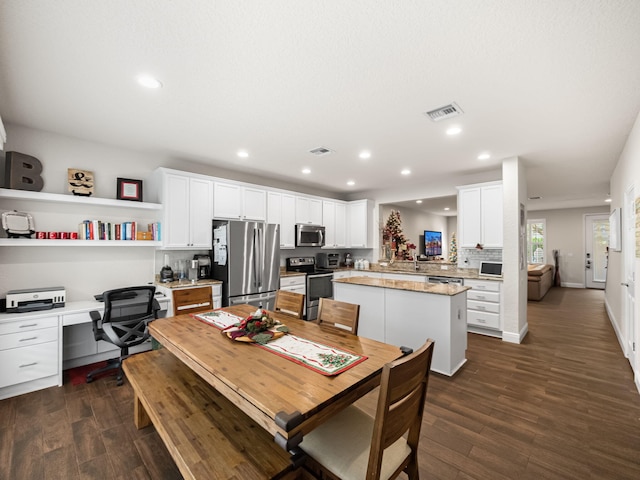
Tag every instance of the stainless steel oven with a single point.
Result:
(319, 283)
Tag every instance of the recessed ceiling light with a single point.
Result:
(406, 171)
(364, 155)
(351, 183)
(453, 130)
(484, 156)
(148, 81)
(243, 153)
(306, 171)
(418, 201)
(608, 200)
(446, 209)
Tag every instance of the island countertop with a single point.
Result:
(436, 288)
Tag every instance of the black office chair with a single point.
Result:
(127, 312)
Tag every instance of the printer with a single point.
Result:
(34, 299)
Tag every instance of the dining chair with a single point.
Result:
(289, 303)
(339, 314)
(192, 300)
(351, 444)
(124, 323)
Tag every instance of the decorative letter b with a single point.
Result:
(22, 172)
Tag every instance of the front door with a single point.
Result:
(596, 242)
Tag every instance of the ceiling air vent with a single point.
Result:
(442, 113)
(321, 151)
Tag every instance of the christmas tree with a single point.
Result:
(453, 249)
(392, 235)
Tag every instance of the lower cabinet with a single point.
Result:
(29, 353)
(483, 307)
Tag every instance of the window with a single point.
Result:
(536, 241)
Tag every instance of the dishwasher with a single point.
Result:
(455, 280)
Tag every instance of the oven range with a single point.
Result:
(318, 282)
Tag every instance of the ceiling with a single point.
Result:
(554, 83)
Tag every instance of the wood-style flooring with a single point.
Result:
(562, 405)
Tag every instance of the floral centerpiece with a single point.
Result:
(259, 327)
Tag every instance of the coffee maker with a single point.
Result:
(204, 266)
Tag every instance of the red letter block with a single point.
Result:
(22, 172)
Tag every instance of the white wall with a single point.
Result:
(626, 173)
(565, 233)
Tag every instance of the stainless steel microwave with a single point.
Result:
(309, 235)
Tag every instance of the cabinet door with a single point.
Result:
(200, 213)
(227, 201)
(469, 217)
(341, 225)
(176, 207)
(358, 224)
(254, 204)
(491, 204)
(315, 212)
(308, 210)
(329, 222)
(288, 223)
(274, 209)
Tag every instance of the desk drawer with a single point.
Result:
(28, 363)
(27, 325)
(483, 319)
(27, 338)
(483, 306)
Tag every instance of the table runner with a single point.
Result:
(321, 358)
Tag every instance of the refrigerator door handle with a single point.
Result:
(260, 256)
(256, 268)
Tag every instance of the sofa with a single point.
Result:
(540, 281)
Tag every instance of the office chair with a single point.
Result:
(350, 445)
(127, 311)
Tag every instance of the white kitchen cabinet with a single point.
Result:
(294, 283)
(216, 294)
(239, 202)
(29, 353)
(308, 210)
(281, 209)
(334, 219)
(188, 210)
(484, 306)
(480, 215)
(360, 223)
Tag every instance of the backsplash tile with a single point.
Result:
(474, 256)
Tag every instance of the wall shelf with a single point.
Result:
(77, 200)
(33, 242)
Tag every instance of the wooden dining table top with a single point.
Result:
(285, 398)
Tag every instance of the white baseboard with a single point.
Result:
(515, 338)
(572, 285)
(614, 324)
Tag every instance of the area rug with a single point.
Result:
(78, 375)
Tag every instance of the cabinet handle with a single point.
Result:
(481, 297)
(480, 307)
(28, 365)
(29, 325)
(481, 320)
(27, 339)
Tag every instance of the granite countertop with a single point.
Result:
(431, 269)
(285, 273)
(435, 288)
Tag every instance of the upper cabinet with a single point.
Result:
(281, 209)
(360, 222)
(309, 210)
(334, 219)
(480, 215)
(188, 209)
(239, 202)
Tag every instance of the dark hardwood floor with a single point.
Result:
(562, 405)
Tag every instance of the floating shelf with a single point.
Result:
(74, 199)
(33, 242)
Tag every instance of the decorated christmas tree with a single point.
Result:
(392, 235)
(453, 249)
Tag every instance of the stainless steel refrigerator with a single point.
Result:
(246, 258)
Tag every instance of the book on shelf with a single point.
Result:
(99, 230)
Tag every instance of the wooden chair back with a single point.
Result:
(339, 314)
(403, 391)
(289, 303)
(192, 300)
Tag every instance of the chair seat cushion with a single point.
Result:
(342, 444)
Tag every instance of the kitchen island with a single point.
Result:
(406, 313)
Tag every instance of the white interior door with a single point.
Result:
(628, 286)
(596, 242)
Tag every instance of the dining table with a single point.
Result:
(284, 397)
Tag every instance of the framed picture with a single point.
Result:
(129, 189)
